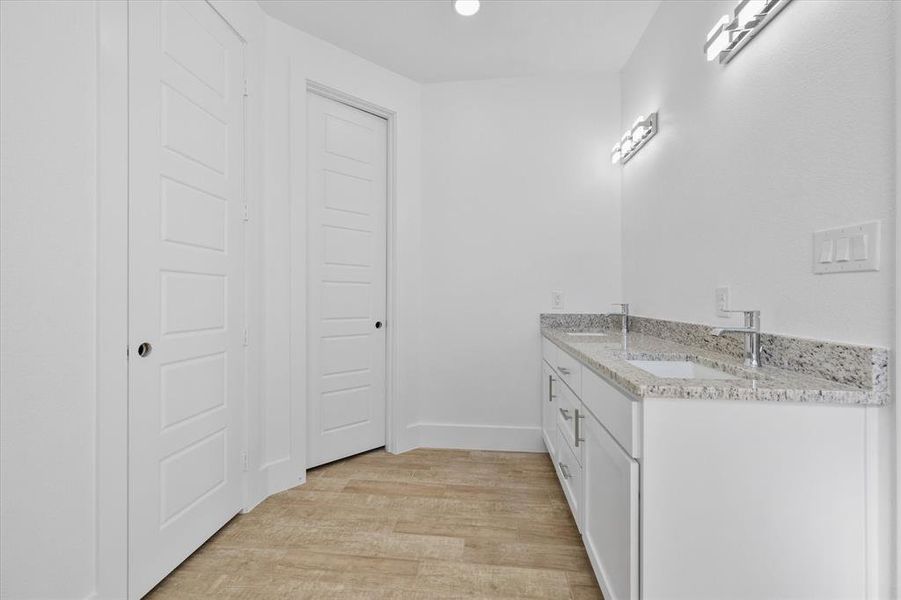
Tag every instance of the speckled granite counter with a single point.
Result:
(606, 354)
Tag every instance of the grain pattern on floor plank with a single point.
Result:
(427, 524)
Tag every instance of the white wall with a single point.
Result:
(47, 298)
(291, 59)
(518, 199)
(792, 136)
(897, 371)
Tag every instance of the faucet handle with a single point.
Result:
(752, 317)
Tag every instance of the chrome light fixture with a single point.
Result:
(731, 34)
(633, 140)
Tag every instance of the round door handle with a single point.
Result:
(378, 324)
(144, 349)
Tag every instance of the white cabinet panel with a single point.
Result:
(619, 414)
(549, 352)
(570, 473)
(570, 370)
(569, 416)
(610, 512)
(549, 403)
(748, 500)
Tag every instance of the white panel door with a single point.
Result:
(186, 289)
(347, 253)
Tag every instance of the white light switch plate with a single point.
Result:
(721, 299)
(847, 249)
(557, 298)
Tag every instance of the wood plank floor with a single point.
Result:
(427, 524)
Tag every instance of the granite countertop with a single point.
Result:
(606, 355)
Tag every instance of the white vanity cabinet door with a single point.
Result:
(610, 512)
(549, 403)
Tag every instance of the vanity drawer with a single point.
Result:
(570, 371)
(569, 471)
(618, 413)
(568, 410)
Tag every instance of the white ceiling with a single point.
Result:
(427, 41)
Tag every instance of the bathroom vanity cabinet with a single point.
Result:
(714, 498)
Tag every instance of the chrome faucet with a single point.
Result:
(752, 335)
(625, 315)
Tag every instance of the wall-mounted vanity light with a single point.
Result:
(642, 130)
(731, 34)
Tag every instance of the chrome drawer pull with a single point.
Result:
(550, 388)
(563, 370)
(564, 469)
(565, 414)
(577, 429)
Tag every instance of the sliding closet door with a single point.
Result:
(186, 289)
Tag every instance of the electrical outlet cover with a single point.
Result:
(557, 298)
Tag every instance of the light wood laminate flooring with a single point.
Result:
(427, 524)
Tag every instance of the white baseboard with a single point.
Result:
(479, 437)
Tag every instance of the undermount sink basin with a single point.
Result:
(680, 369)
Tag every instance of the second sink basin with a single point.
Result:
(680, 369)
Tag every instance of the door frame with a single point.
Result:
(111, 316)
(111, 283)
(391, 346)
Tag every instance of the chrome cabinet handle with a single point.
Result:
(563, 370)
(565, 414)
(577, 430)
(550, 388)
(564, 469)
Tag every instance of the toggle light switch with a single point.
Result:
(859, 247)
(826, 250)
(843, 249)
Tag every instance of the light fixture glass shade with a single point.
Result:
(466, 8)
(638, 129)
(643, 129)
(718, 38)
(748, 11)
(731, 34)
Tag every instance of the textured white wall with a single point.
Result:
(897, 372)
(48, 121)
(518, 199)
(792, 136)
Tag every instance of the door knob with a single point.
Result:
(378, 324)
(144, 349)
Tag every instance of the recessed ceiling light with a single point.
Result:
(467, 8)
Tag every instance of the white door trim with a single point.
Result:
(111, 442)
(391, 351)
